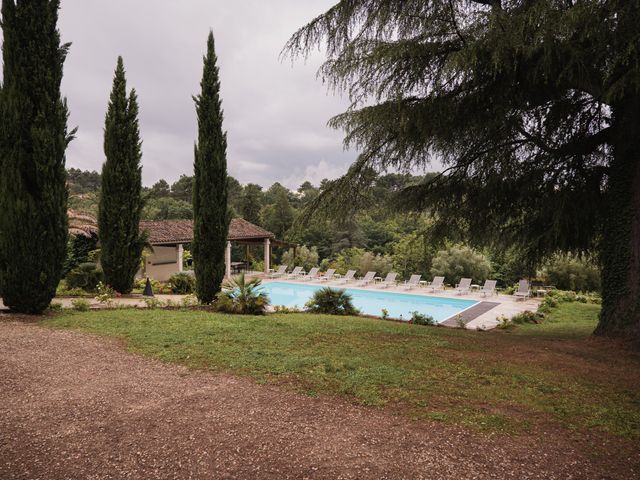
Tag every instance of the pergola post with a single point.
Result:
(180, 257)
(227, 261)
(267, 256)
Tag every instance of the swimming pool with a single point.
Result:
(371, 301)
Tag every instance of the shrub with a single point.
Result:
(80, 304)
(509, 290)
(461, 322)
(381, 264)
(332, 301)
(182, 283)
(548, 302)
(243, 297)
(55, 307)
(152, 302)
(189, 301)
(105, 293)
(85, 276)
(571, 272)
(361, 261)
(528, 317)
(307, 258)
(504, 322)
(422, 319)
(460, 261)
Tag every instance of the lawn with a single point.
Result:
(553, 374)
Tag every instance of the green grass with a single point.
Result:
(515, 380)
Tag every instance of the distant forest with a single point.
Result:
(373, 236)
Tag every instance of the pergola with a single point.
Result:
(167, 237)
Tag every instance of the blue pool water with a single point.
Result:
(371, 301)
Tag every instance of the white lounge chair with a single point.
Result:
(436, 284)
(328, 275)
(347, 277)
(296, 272)
(414, 281)
(313, 273)
(390, 280)
(367, 279)
(282, 270)
(464, 286)
(489, 287)
(523, 289)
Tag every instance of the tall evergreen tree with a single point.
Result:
(533, 107)
(251, 203)
(33, 140)
(211, 215)
(121, 204)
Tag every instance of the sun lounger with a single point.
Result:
(436, 284)
(523, 289)
(464, 286)
(348, 277)
(367, 279)
(296, 272)
(489, 288)
(328, 276)
(280, 272)
(390, 280)
(313, 273)
(414, 281)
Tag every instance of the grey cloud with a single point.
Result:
(275, 113)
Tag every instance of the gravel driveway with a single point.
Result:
(78, 406)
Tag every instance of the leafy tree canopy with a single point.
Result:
(533, 109)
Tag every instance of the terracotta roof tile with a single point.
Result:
(181, 231)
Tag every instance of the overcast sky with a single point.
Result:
(275, 112)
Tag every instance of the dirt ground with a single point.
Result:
(75, 406)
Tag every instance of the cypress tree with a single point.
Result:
(33, 140)
(211, 216)
(121, 243)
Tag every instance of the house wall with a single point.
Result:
(164, 262)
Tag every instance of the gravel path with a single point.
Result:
(78, 406)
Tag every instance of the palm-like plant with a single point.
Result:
(241, 296)
(331, 301)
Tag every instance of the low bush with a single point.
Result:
(422, 319)
(331, 301)
(189, 301)
(55, 307)
(86, 276)
(504, 322)
(182, 283)
(152, 302)
(461, 322)
(105, 294)
(80, 304)
(528, 317)
(243, 297)
(548, 302)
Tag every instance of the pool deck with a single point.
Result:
(480, 316)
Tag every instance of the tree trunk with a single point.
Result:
(620, 250)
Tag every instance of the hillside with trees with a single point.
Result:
(376, 236)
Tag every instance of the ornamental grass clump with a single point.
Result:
(241, 296)
(331, 301)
